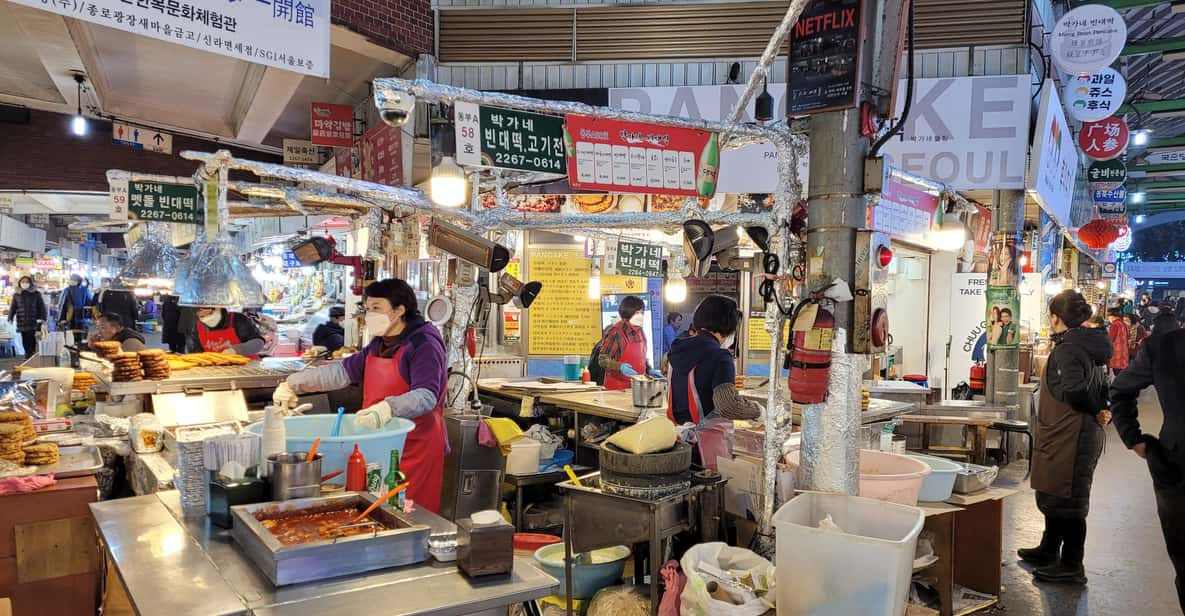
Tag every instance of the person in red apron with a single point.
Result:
(403, 373)
(703, 370)
(220, 331)
(623, 349)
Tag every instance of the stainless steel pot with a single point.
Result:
(649, 392)
(292, 477)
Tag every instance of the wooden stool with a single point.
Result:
(974, 429)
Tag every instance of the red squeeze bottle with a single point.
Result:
(356, 472)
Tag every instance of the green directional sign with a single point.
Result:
(157, 202)
(509, 139)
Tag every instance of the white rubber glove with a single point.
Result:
(374, 416)
(229, 350)
(285, 397)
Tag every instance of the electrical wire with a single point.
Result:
(876, 147)
(767, 289)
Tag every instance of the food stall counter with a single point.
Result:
(170, 564)
(615, 405)
(265, 373)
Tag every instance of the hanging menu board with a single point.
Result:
(825, 57)
(618, 156)
(563, 320)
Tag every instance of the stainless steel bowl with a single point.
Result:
(649, 392)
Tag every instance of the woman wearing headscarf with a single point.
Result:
(1068, 438)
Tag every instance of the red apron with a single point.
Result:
(693, 403)
(422, 458)
(633, 354)
(214, 338)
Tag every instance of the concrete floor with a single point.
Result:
(1128, 569)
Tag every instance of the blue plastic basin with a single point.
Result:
(375, 445)
(587, 578)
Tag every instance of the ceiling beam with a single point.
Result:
(1157, 45)
(1166, 106)
(262, 99)
(341, 36)
(1166, 143)
(57, 51)
(1163, 169)
(1153, 187)
(1121, 5)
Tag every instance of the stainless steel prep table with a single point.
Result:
(878, 410)
(171, 565)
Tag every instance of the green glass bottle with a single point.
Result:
(709, 166)
(394, 478)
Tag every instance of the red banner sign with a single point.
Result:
(331, 125)
(617, 156)
(1105, 139)
(382, 155)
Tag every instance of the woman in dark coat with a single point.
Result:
(28, 310)
(1068, 438)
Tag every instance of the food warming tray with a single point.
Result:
(403, 543)
(78, 461)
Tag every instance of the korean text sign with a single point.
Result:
(495, 137)
(331, 125)
(618, 156)
(382, 155)
(643, 260)
(287, 34)
(164, 203)
(904, 210)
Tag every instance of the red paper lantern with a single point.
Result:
(1098, 234)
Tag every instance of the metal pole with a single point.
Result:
(1003, 374)
(837, 206)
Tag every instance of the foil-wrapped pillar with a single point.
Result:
(459, 362)
(830, 431)
(1003, 365)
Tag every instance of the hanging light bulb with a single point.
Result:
(78, 124)
(676, 288)
(763, 108)
(448, 186)
(951, 234)
(1054, 286)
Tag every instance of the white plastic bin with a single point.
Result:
(887, 476)
(938, 485)
(864, 569)
(524, 457)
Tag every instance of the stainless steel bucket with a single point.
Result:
(648, 392)
(292, 477)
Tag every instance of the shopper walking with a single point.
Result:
(1135, 334)
(28, 310)
(1068, 438)
(1159, 363)
(1120, 340)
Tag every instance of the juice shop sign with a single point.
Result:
(968, 132)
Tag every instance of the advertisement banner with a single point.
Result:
(382, 155)
(1053, 166)
(905, 210)
(968, 330)
(1091, 97)
(1105, 139)
(509, 139)
(751, 169)
(825, 47)
(331, 125)
(1088, 39)
(982, 147)
(280, 33)
(1003, 313)
(619, 156)
(349, 162)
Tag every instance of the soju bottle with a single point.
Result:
(394, 478)
(709, 166)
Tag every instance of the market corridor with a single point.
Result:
(1126, 562)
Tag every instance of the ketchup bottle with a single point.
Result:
(356, 472)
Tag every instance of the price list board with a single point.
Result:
(509, 139)
(562, 320)
(618, 156)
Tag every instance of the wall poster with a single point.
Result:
(1003, 311)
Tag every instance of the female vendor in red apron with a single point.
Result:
(220, 331)
(403, 372)
(623, 350)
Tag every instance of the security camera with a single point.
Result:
(397, 109)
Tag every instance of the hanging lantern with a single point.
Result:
(1098, 234)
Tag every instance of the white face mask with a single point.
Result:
(212, 320)
(25, 285)
(638, 319)
(377, 323)
(729, 341)
(74, 283)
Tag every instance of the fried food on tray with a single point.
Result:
(593, 204)
(307, 527)
(184, 362)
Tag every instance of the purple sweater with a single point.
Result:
(422, 365)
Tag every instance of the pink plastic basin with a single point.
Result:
(885, 476)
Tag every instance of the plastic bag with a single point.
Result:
(549, 441)
(654, 434)
(625, 600)
(736, 563)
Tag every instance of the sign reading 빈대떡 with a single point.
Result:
(509, 139)
(287, 34)
(643, 260)
(157, 202)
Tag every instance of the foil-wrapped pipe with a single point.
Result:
(830, 460)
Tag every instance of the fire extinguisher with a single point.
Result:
(809, 354)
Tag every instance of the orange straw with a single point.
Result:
(375, 505)
(313, 449)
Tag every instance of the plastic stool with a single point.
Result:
(1015, 426)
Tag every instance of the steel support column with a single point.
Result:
(1003, 374)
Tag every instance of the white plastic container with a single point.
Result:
(885, 476)
(524, 457)
(937, 486)
(864, 568)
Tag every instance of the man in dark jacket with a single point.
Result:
(72, 314)
(1159, 363)
(331, 334)
(28, 310)
(110, 328)
(172, 334)
(120, 302)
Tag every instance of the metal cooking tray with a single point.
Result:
(77, 461)
(404, 543)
